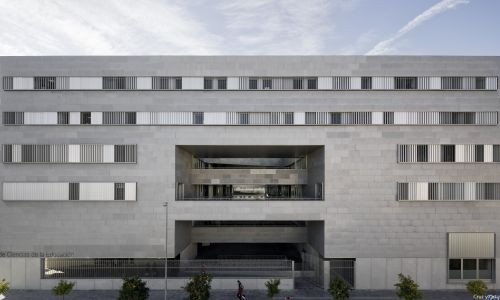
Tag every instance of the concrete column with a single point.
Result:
(326, 274)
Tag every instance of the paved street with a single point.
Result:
(230, 295)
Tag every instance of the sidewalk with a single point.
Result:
(231, 295)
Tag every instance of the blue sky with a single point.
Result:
(233, 27)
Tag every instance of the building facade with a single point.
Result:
(362, 167)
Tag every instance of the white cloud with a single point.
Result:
(386, 46)
(276, 26)
(104, 27)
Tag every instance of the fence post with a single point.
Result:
(293, 274)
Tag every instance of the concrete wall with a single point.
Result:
(315, 172)
(183, 164)
(316, 236)
(21, 273)
(182, 235)
(249, 234)
(361, 217)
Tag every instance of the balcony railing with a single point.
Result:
(249, 199)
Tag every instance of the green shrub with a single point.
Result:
(272, 287)
(133, 288)
(339, 289)
(198, 287)
(63, 288)
(407, 289)
(4, 287)
(477, 287)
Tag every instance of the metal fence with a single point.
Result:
(344, 269)
(155, 268)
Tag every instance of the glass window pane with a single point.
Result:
(454, 269)
(470, 269)
(486, 268)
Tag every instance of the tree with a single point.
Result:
(4, 286)
(272, 287)
(407, 289)
(198, 287)
(63, 288)
(477, 288)
(133, 288)
(339, 289)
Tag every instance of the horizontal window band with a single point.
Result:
(247, 83)
(251, 118)
(448, 191)
(69, 191)
(448, 153)
(66, 153)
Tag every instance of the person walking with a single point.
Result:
(240, 294)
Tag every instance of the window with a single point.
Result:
(45, 83)
(130, 117)
(421, 153)
(451, 83)
(252, 84)
(405, 83)
(207, 83)
(447, 153)
(471, 268)
(366, 83)
(463, 118)
(455, 269)
(297, 83)
(7, 153)
(480, 83)
(8, 83)
(388, 117)
(125, 153)
(74, 191)
(113, 83)
(178, 83)
(433, 191)
(244, 118)
(160, 83)
(222, 83)
(267, 84)
(496, 153)
(85, 118)
(471, 255)
(479, 153)
(119, 191)
(336, 118)
(310, 118)
(198, 118)
(62, 117)
(312, 84)
(119, 118)
(289, 118)
(13, 118)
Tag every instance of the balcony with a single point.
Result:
(249, 173)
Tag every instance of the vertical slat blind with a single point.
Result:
(250, 118)
(452, 191)
(245, 83)
(434, 153)
(84, 153)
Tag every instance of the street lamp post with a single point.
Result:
(166, 243)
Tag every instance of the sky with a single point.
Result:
(249, 27)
